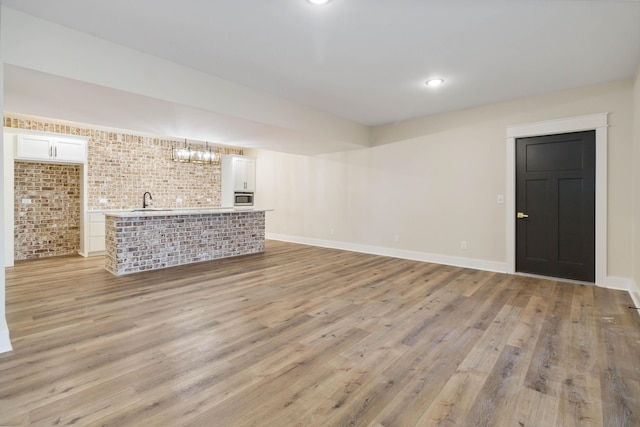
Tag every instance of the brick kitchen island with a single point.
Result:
(138, 241)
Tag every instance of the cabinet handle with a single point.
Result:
(50, 151)
(56, 151)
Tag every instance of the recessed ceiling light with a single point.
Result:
(435, 82)
(318, 2)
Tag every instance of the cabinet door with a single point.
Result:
(70, 150)
(31, 147)
(250, 175)
(239, 181)
(244, 175)
(96, 233)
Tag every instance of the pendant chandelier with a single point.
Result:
(186, 154)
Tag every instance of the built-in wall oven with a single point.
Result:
(243, 199)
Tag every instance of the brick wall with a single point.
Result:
(50, 225)
(137, 244)
(122, 166)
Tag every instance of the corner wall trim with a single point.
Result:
(5, 342)
(476, 264)
(635, 294)
(624, 284)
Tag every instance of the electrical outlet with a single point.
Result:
(332, 232)
(26, 201)
(463, 245)
(396, 238)
(500, 199)
(179, 200)
(103, 201)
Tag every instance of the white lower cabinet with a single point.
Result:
(96, 234)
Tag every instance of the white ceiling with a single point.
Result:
(366, 60)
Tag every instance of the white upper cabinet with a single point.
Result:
(49, 148)
(244, 174)
(33, 147)
(70, 150)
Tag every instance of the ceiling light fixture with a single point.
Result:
(318, 2)
(434, 82)
(187, 155)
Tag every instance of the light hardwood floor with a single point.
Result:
(304, 336)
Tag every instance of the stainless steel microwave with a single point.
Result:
(243, 199)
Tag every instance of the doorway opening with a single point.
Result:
(47, 209)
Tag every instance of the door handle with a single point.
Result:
(521, 215)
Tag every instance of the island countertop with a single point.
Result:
(149, 212)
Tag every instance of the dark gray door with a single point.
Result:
(555, 205)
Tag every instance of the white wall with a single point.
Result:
(5, 344)
(434, 182)
(8, 198)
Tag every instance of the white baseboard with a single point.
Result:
(5, 342)
(617, 283)
(90, 254)
(476, 264)
(635, 293)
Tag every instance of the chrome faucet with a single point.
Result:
(144, 200)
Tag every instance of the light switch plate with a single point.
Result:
(500, 199)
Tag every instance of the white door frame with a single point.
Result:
(597, 122)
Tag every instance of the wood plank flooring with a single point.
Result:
(305, 336)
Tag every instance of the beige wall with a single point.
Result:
(433, 181)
